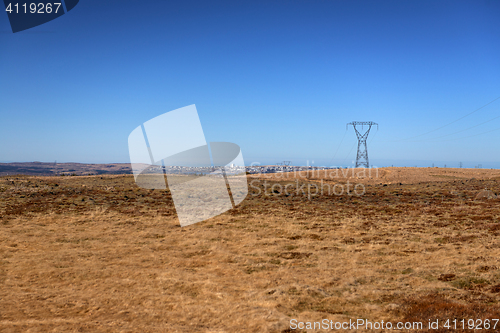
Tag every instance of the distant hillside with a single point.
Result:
(56, 169)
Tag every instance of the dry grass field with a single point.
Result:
(58, 169)
(99, 254)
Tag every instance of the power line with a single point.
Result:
(373, 137)
(468, 114)
(338, 147)
(442, 136)
(349, 153)
(470, 136)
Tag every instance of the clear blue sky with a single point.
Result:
(279, 78)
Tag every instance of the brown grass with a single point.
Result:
(99, 254)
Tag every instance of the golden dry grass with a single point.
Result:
(99, 254)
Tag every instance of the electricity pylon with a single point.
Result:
(362, 156)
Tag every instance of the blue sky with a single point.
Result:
(279, 78)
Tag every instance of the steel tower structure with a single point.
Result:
(362, 156)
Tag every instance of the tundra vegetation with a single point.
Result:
(99, 254)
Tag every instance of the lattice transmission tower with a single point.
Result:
(362, 156)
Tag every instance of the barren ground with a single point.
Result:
(99, 254)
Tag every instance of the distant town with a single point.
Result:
(232, 169)
(81, 169)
